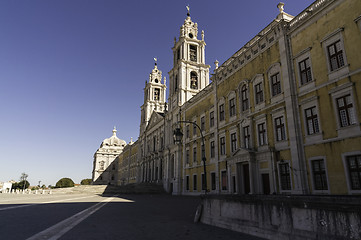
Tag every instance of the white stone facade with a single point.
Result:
(104, 167)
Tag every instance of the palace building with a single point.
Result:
(280, 116)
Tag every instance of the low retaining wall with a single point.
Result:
(285, 217)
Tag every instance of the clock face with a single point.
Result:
(190, 35)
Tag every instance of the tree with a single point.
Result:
(86, 181)
(23, 176)
(64, 182)
(21, 185)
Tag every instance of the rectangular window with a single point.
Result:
(195, 182)
(345, 111)
(319, 175)
(187, 131)
(246, 137)
(224, 180)
(232, 107)
(261, 134)
(187, 183)
(259, 93)
(354, 171)
(195, 154)
(280, 129)
(234, 142)
(285, 176)
(276, 84)
(305, 71)
(223, 145)
(194, 129)
(221, 112)
(312, 121)
(187, 156)
(211, 119)
(245, 105)
(203, 123)
(213, 180)
(335, 55)
(212, 150)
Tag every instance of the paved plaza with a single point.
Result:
(92, 216)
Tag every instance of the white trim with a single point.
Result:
(344, 156)
(258, 78)
(274, 69)
(282, 143)
(314, 191)
(258, 121)
(299, 58)
(306, 104)
(351, 130)
(279, 176)
(327, 41)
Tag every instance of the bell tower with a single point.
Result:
(154, 96)
(189, 74)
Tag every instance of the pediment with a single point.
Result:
(155, 118)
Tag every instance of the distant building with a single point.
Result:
(281, 115)
(104, 170)
(5, 187)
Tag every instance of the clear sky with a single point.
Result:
(70, 70)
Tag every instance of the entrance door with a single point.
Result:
(266, 183)
(246, 182)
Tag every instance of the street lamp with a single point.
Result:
(178, 135)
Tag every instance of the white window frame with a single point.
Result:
(351, 130)
(233, 131)
(314, 191)
(274, 69)
(347, 175)
(244, 83)
(232, 95)
(222, 156)
(260, 120)
(258, 79)
(279, 176)
(306, 53)
(214, 118)
(245, 123)
(327, 41)
(316, 137)
(220, 102)
(276, 114)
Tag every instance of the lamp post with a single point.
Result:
(178, 135)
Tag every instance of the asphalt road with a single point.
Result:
(81, 216)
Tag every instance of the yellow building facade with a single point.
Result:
(280, 116)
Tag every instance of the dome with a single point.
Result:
(114, 141)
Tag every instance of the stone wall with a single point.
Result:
(286, 217)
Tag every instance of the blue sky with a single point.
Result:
(70, 70)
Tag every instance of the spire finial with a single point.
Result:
(155, 61)
(188, 14)
(280, 7)
(115, 131)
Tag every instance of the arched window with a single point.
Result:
(194, 80)
(244, 92)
